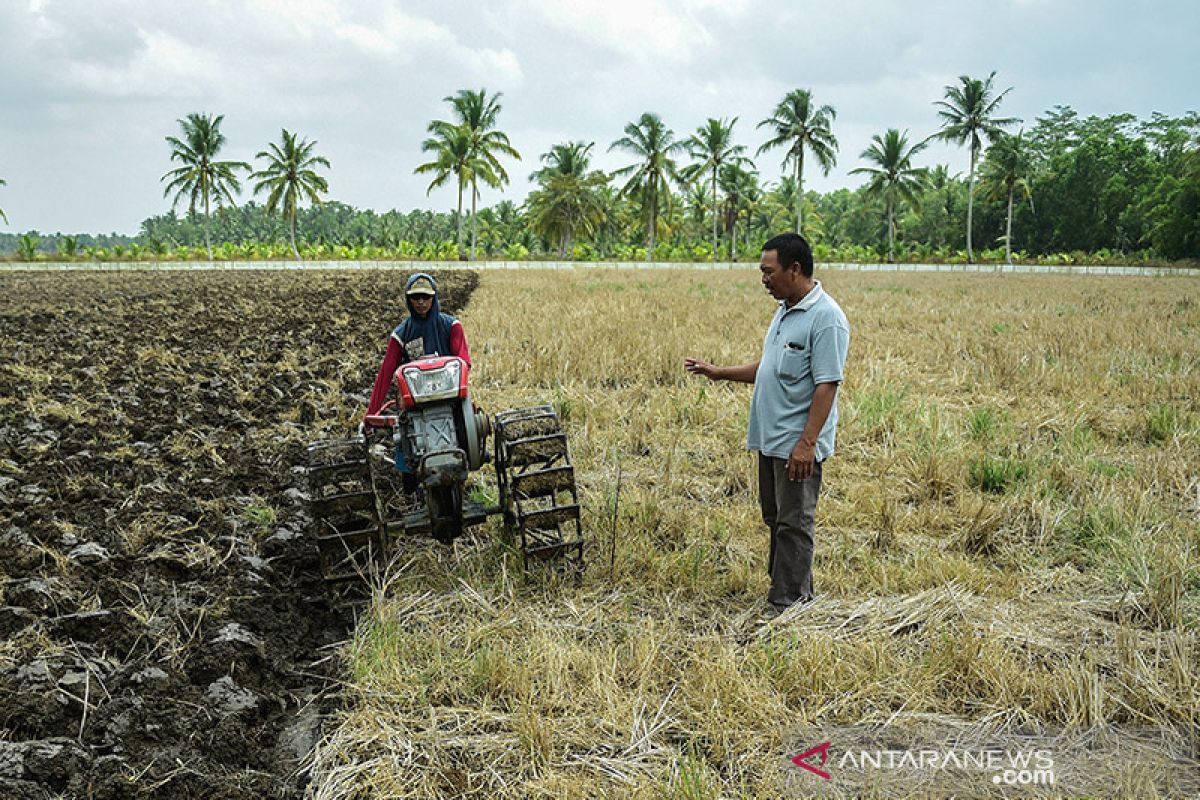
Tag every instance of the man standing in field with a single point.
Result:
(793, 414)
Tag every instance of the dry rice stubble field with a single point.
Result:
(1008, 534)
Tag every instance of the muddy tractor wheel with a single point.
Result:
(537, 486)
(346, 518)
(445, 512)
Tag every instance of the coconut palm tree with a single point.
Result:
(619, 219)
(510, 221)
(712, 145)
(653, 144)
(797, 126)
(201, 178)
(779, 204)
(968, 117)
(894, 177)
(568, 158)
(569, 200)
(289, 177)
(477, 113)
(451, 149)
(698, 205)
(1004, 172)
(742, 194)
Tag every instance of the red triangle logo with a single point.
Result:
(801, 760)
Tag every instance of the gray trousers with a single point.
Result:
(789, 508)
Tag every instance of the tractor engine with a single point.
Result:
(440, 437)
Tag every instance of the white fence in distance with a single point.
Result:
(414, 266)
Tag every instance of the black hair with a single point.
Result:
(792, 248)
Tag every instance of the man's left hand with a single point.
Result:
(800, 462)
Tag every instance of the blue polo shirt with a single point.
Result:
(805, 345)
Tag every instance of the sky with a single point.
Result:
(90, 89)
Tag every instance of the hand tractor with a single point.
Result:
(364, 493)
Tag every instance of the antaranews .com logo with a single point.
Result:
(1010, 767)
(941, 757)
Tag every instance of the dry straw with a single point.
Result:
(1008, 533)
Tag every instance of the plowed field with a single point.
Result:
(163, 630)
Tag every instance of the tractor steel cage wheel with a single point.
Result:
(346, 517)
(536, 483)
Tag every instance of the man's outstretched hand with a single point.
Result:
(698, 367)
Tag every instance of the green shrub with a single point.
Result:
(996, 475)
(1163, 423)
(1097, 528)
(982, 423)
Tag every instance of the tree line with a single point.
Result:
(1065, 188)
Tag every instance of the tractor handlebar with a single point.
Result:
(379, 419)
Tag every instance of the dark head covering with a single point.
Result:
(434, 330)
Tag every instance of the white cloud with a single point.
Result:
(164, 66)
(642, 31)
(257, 49)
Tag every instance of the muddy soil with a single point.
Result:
(163, 629)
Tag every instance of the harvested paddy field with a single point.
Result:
(1007, 543)
(1006, 546)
